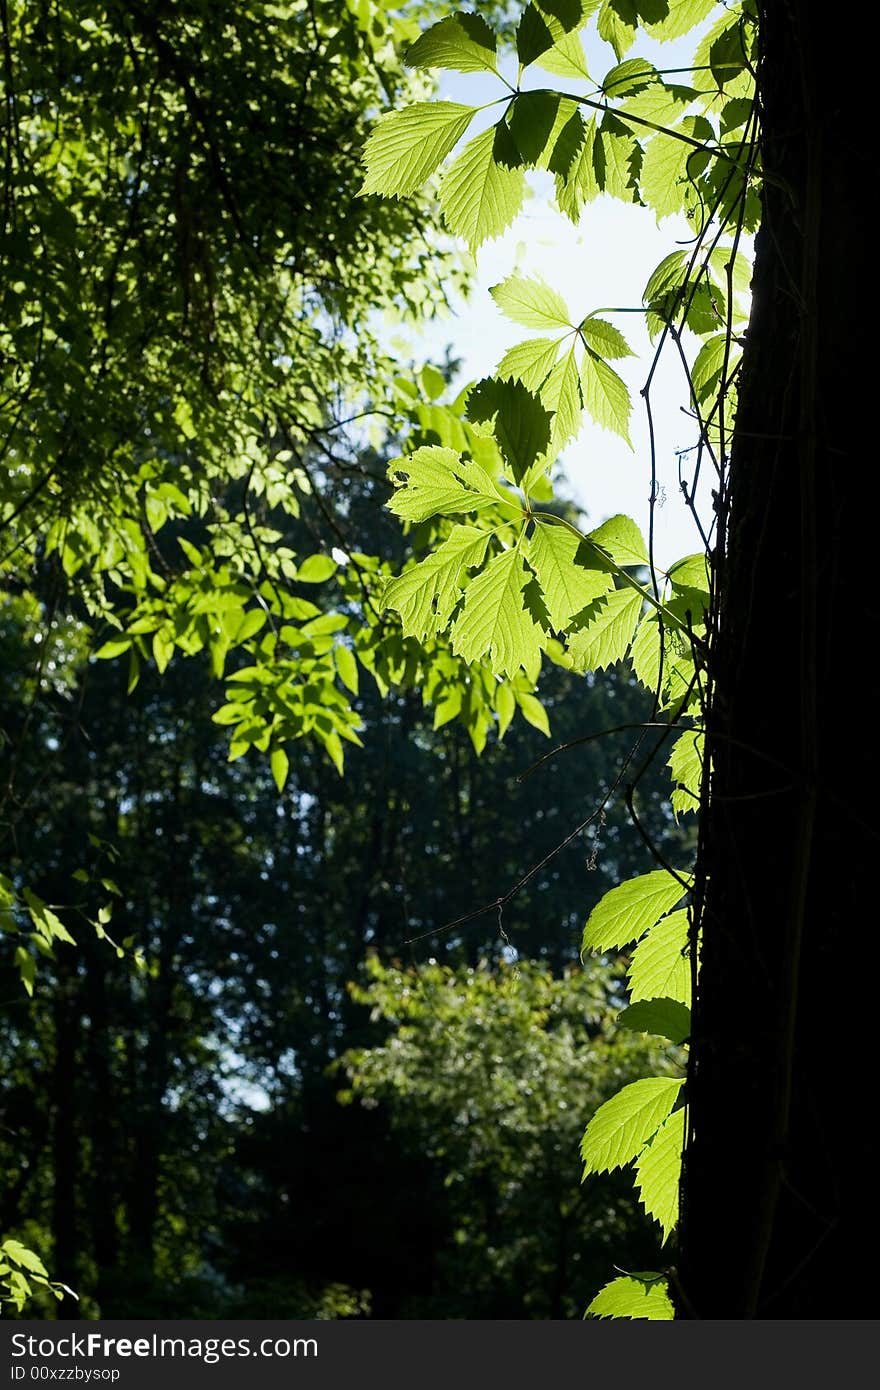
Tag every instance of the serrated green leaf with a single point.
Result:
(620, 538)
(681, 17)
(626, 78)
(709, 364)
(543, 26)
(618, 22)
(425, 594)
(434, 481)
(529, 300)
(580, 184)
(645, 652)
(626, 912)
(407, 146)
(561, 393)
(520, 422)
(669, 162)
(47, 923)
(605, 395)
(494, 623)
(604, 339)
(529, 362)
(664, 1017)
(629, 1297)
(280, 764)
(607, 632)
(14, 1250)
(461, 43)
(566, 58)
(479, 195)
(686, 765)
(658, 1173)
(659, 968)
(567, 587)
(617, 157)
(622, 1126)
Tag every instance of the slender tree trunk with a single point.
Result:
(777, 1200)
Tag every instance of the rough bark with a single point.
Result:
(778, 1212)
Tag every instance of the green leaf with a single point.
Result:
(462, 42)
(280, 764)
(529, 362)
(561, 393)
(605, 395)
(580, 184)
(686, 763)
(658, 1173)
(531, 302)
(567, 587)
(426, 593)
(691, 573)
(115, 647)
(618, 22)
(620, 538)
(626, 912)
(659, 967)
(533, 711)
(629, 77)
(346, 665)
(665, 1017)
(406, 146)
(315, 569)
(616, 159)
(14, 1250)
(709, 364)
(604, 338)
(566, 58)
(622, 1126)
(437, 482)
(505, 705)
(607, 631)
(494, 621)
(542, 26)
(479, 195)
(629, 1297)
(680, 18)
(669, 163)
(49, 926)
(520, 423)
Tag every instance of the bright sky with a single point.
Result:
(604, 262)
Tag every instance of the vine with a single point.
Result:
(509, 583)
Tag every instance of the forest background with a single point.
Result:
(245, 1072)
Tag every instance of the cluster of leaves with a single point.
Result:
(507, 579)
(21, 1271)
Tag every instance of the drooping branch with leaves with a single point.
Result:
(509, 581)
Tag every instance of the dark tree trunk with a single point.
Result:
(778, 1212)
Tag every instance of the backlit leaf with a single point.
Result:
(658, 1173)
(629, 1297)
(659, 968)
(567, 586)
(480, 196)
(626, 912)
(494, 621)
(462, 42)
(607, 631)
(405, 147)
(529, 300)
(622, 1126)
